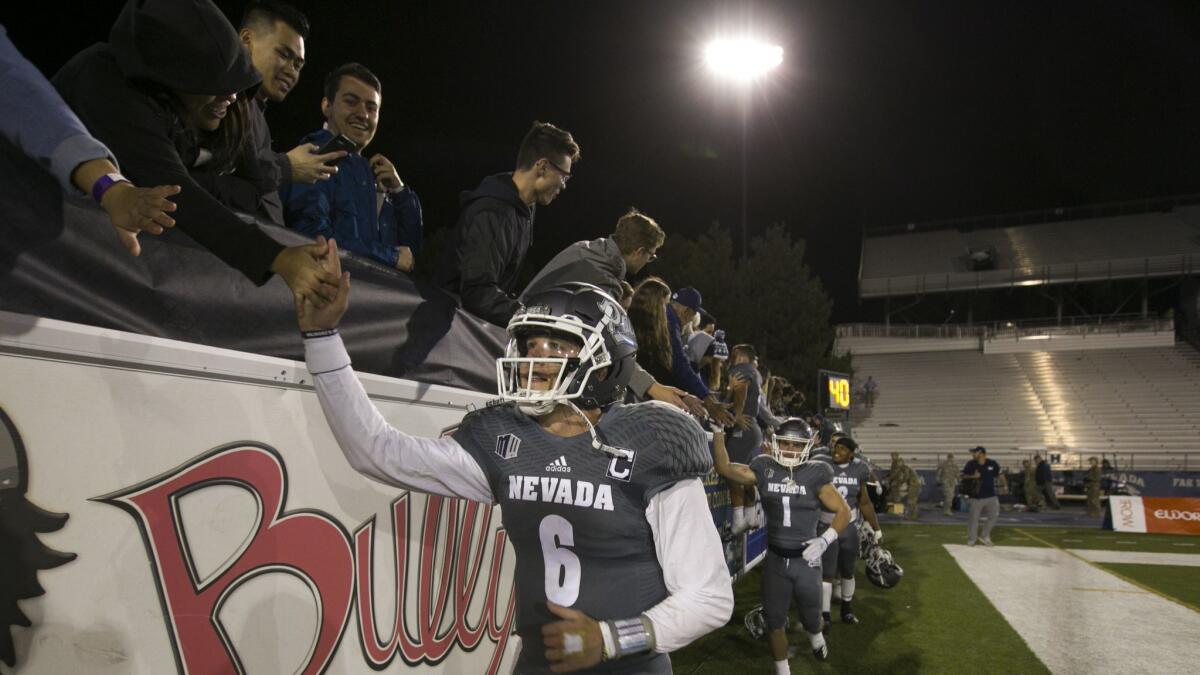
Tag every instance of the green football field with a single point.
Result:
(937, 620)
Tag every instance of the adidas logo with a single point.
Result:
(559, 465)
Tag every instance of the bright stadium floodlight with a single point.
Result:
(742, 59)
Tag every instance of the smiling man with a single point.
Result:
(617, 559)
(272, 35)
(160, 95)
(365, 206)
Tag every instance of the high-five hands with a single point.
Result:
(312, 317)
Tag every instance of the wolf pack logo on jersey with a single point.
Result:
(506, 446)
(559, 465)
(621, 468)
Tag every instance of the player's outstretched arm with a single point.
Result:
(738, 473)
(371, 445)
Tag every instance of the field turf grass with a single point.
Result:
(935, 620)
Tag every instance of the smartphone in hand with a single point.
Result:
(337, 143)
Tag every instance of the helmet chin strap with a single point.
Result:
(596, 442)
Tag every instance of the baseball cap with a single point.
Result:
(690, 298)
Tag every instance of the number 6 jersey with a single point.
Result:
(576, 515)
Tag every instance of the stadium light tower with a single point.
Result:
(742, 60)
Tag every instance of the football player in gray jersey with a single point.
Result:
(850, 477)
(618, 561)
(792, 491)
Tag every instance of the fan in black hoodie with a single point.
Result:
(495, 228)
(129, 93)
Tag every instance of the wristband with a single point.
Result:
(608, 643)
(632, 636)
(313, 334)
(103, 183)
(829, 535)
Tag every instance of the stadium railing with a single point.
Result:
(1127, 268)
(1074, 325)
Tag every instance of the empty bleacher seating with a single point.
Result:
(1138, 406)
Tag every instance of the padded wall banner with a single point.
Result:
(1162, 515)
(61, 260)
(172, 508)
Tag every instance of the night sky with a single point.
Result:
(882, 113)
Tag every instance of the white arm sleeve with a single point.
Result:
(377, 449)
(693, 563)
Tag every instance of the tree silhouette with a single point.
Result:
(769, 299)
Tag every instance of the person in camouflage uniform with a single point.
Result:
(947, 475)
(1092, 484)
(897, 481)
(1033, 497)
(914, 493)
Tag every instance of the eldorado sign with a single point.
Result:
(1165, 515)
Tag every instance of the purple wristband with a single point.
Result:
(105, 182)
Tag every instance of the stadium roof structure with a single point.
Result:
(1158, 238)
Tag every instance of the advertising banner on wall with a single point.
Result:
(170, 507)
(1164, 515)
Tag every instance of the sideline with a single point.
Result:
(1098, 555)
(1080, 619)
(1120, 576)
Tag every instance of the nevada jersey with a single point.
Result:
(790, 499)
(576, 516)
(849, 479)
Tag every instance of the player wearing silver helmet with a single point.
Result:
(792, 491)
(596, 495)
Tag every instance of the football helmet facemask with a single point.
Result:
(796, 432)
(586, 316)
(882, 570)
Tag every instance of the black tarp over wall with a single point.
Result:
(60, 259)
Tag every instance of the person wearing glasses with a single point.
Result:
(604, 262)
(495, 227)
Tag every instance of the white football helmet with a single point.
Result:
(796, 431)
(590, 318)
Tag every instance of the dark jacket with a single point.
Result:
(346, 208)
(493, 234)
(682, 375)
(120, 90)
(1042, 474)
(253, 184)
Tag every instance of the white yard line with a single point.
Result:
(1079, 619)
(1138, 557)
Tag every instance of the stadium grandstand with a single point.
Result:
(1101, 383)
